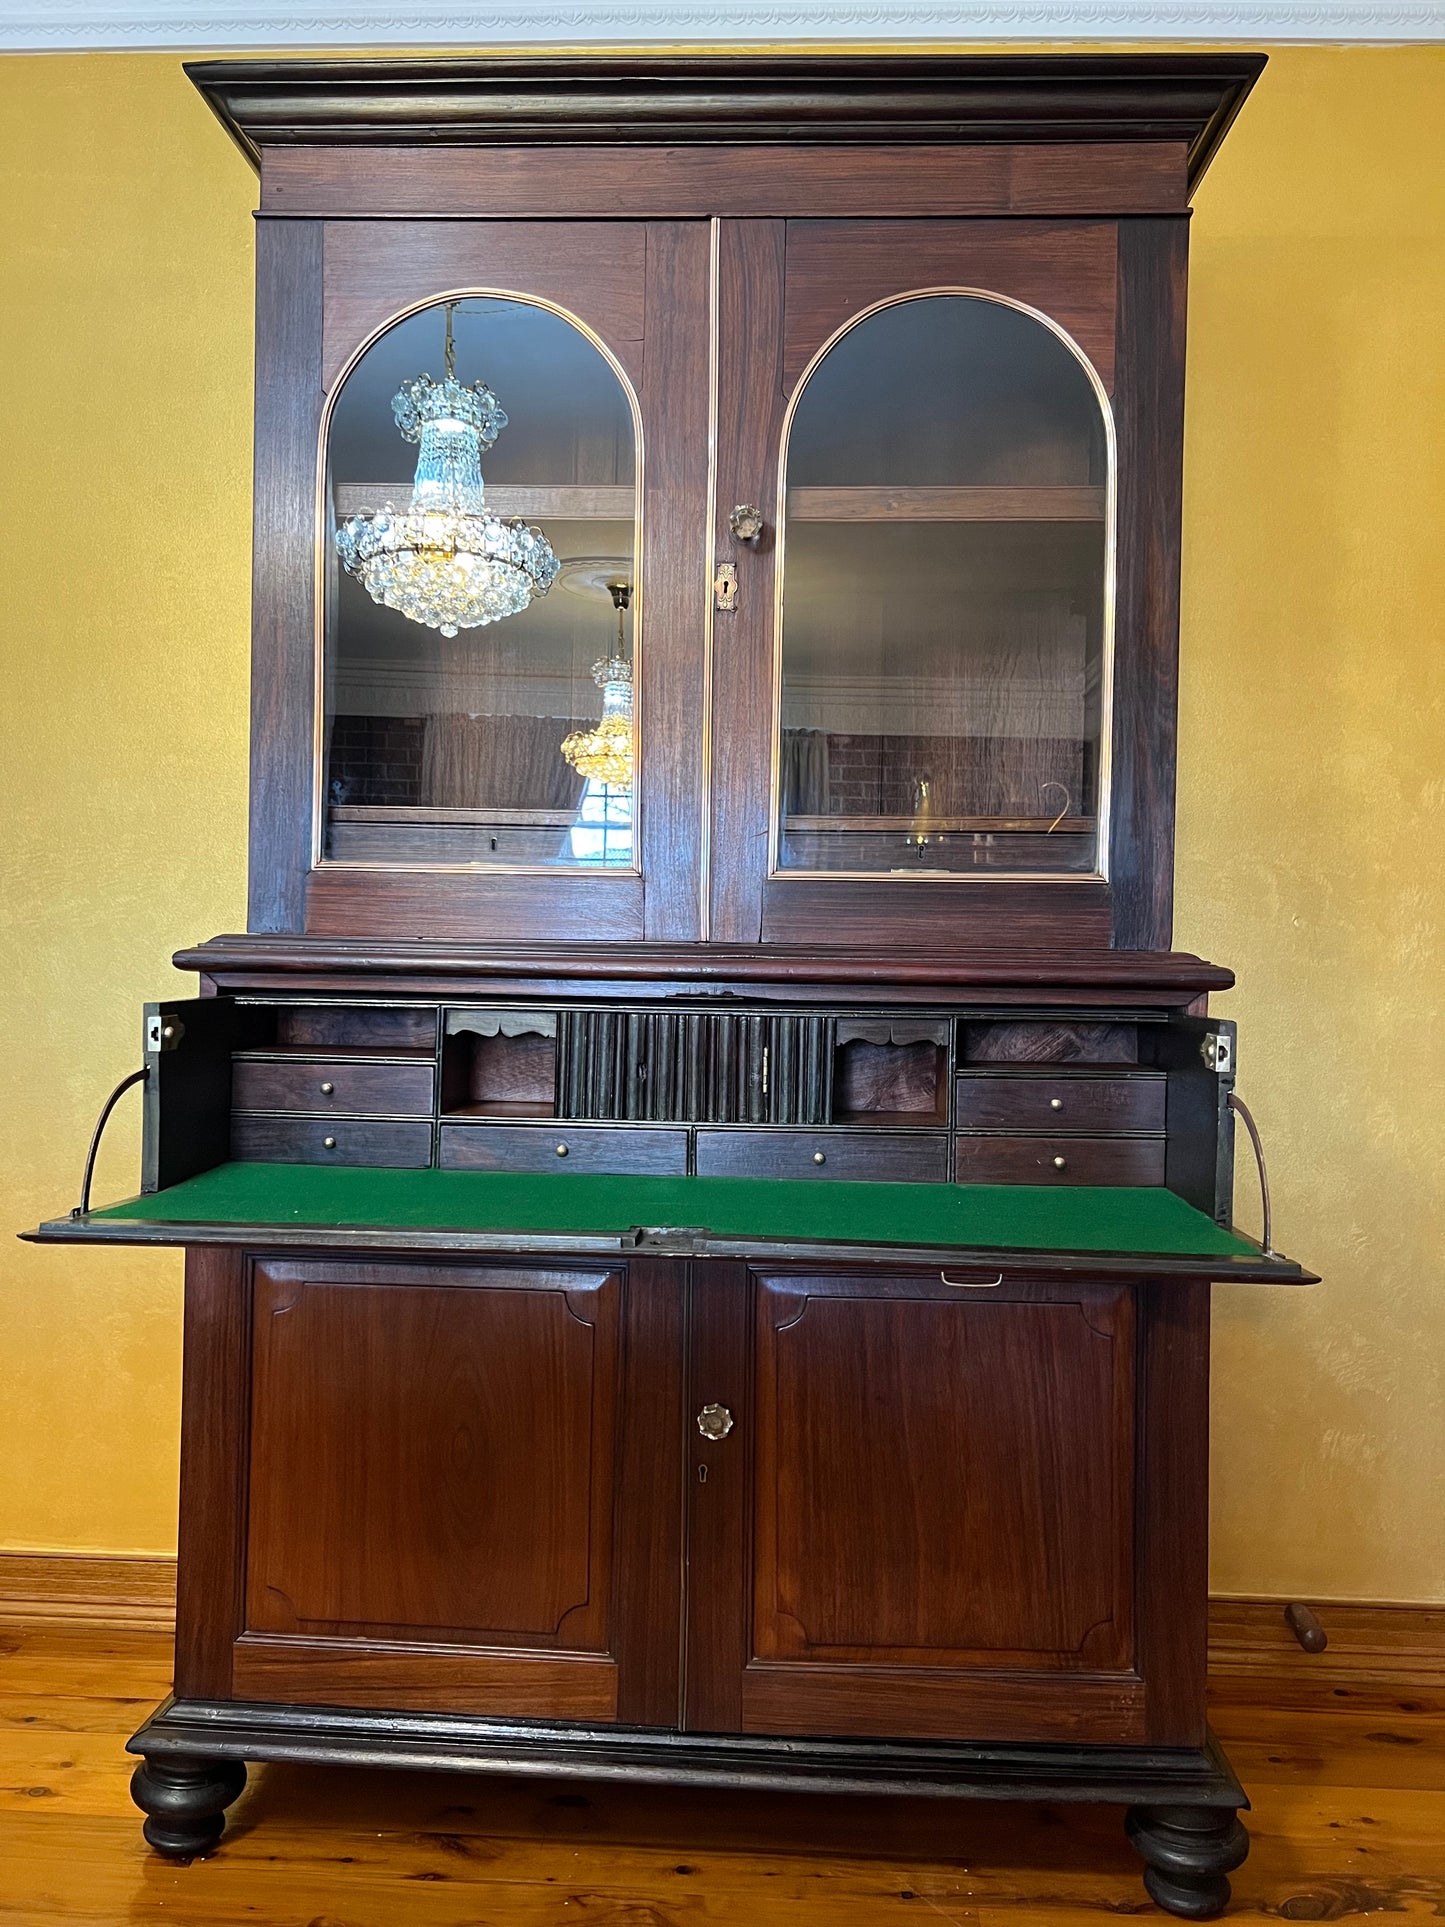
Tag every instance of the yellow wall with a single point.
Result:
(1312, 775)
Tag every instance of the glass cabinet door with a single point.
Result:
(482, 629)
(944, 564)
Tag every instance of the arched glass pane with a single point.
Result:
(944, 600)
(516, 535)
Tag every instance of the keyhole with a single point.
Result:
(702, 1475)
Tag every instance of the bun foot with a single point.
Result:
(184, 1800)
(1187, 1854)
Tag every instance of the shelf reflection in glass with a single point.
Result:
(944, 599)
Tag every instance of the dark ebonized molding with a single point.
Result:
(1148, 1776)
(866, 98)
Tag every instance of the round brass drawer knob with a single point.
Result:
(328, 1144)
(1056, 1103)
(327, 1088)
(714, 1421)
(561, 1150)
(820, 1157)
(1060, 1164)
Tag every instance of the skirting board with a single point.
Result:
(1370, 1645)
(88, 1589)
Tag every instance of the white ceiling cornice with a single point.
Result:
(257, 25)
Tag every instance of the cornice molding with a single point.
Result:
(77, 25)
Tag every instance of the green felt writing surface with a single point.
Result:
(1138, 1219)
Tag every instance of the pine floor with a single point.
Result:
(1349, 1820)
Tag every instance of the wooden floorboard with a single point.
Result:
(1349, 1793)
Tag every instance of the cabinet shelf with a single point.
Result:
(566, 501)
(926, 504)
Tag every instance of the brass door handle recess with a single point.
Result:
(972, 1284)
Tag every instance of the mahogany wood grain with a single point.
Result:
(750, 404)
(266, 1137)
(1006, 970)
(288, 415)
(904, 1157)
(719, 1551)
(1058, 916)
(1059, 1159)
(1069, 270)
(534, 1147)
(399, 1031)
(1172, 1520)
(433, 1456)
(647, 1607)
(373, 270)
(917, 1619)
(426, 1679)
(675, 588)
(853, 1699)
(439, 906)
(1014, 1550)
(1053, 1043)
(1149, 413)
(906, 1078)
(333, 1084)
(215, 1448)
(1060, 1104)
(738, 182)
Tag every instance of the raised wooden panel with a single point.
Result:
(434, 1679)
(1068, 270)
(1007, 1428)
(433, 1456)
(374, 270)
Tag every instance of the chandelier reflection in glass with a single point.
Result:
(447, 561)
(604, 753)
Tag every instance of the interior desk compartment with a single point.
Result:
(903, 1157)
(260, 1082)
(263, 1138)
(562, 1147)
(1028, 1102)
(1059, 1160)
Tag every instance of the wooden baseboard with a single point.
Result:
(88, 1589)
(1369, 1645)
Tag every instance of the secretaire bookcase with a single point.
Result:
(703, 1178)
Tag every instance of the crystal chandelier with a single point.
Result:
(605, 753)
(447, 561)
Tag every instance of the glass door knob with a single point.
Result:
(714, 1421)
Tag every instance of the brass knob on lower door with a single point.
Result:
(714, 1421)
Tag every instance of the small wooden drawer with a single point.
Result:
(1059, 1160)
(323, 1084)
(563, 1146)
(260, 1139)
(903, 1157)
(1055, 1104)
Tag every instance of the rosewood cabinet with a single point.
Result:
(702, 1179)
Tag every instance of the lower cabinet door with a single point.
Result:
(911, 1507)
(463, 1488)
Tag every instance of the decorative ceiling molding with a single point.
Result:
(75, 25)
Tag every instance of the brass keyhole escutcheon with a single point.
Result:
(725, 589)
(714, 1421)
